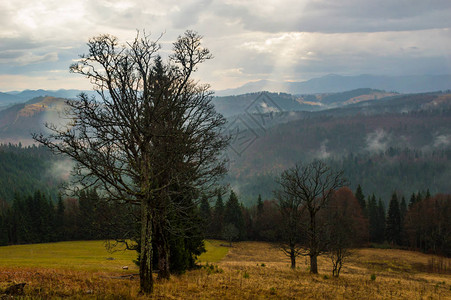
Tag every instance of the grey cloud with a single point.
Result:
(20, 43)
(10, 54)
(189, 13)
(333, 16)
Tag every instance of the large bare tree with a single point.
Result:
(308, 188)
(154, 137)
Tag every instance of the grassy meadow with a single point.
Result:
(248, 270)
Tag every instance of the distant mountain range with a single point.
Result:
(322, 85)
(282, 102)
(337, 83)
(14, 97)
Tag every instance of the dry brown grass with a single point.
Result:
(254, 270)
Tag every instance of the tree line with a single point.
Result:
(37, 218)
(348, 219)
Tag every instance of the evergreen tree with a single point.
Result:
(259, 205)
(186, 240)
(403, 212)
(393, 227)
(205, 215)
(419, 197)
(373, 219)
(361, 198)
(87, 200)
(218, 216)
(3, 230)
(59, 219)
(403, 209)
(234, 215)
(413, 200)
(381, 221)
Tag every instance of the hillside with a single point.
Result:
(282, 102)
(25, 170)
(401, 143)
(19, 121)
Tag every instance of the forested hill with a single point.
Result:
(401, 144)
(18, 122)
(23, 170)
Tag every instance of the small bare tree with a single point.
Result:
(346, 227)
(311, 187)
(290, 226)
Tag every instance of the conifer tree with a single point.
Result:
(218, 216)
(381, 221)
(233, 215)
(361, 198)
(403, 208)
(373, 218)
(393, 227)
(59, 219)
(259, 205)
(205, 215)
(413, 200)
(3, 230)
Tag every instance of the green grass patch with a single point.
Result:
(215, 252)
(79, 255)
(85, 255)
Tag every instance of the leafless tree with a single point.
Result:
(291, 221)
(346, 227)
(154, 137)
(311, 187)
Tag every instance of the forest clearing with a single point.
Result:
(248, 270)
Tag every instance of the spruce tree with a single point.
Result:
(233, 215)
(413, 200)
(3, 230)
(393, 227)
(361, 198)
(373, 219)
(403, 209)
(259, 205)
(381, 221)
(59, 220)
(218, 216)
(205, 215)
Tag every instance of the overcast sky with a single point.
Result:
(250, 40)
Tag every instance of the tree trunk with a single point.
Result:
(313, 244)
(293, 259)
(145, 262)
(313, 264)
(163, 251)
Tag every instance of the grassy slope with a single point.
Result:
(84, 255)
(250, 270)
